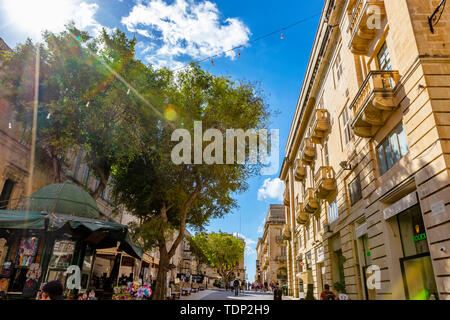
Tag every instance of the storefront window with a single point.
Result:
(418, 275)
(62, 254)
(412, 229)
(87, 267)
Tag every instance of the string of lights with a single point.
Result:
(278, 31)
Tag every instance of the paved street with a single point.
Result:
(228, 295)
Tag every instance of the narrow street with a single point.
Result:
(228, 295)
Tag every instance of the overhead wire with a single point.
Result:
(278, 31)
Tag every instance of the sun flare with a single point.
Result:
(35, 16)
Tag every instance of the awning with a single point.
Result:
(101, 234)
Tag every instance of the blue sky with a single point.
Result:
(173, 32)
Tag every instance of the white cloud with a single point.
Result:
(271, 189)
(249, 243)
(185, 28)
(33, 17)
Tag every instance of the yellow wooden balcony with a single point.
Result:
(300, 214)
(308, 152)
(325, 182)
(374, 102)
(286, 233)
(299, 171)
(363, 26)
(286, 197)
(310, 203)
(321, 126)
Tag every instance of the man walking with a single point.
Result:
(277, 293)
(236, 287)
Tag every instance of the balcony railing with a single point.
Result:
(363, 25)
(374, 102)
(308, 151)
(310, 202)
(300, 214)
(321, 126)
(325, 182)
(300, 171)
(282, 258)
(279, 239)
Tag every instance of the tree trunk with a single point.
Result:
(56, 168)
(104, 176)
(161, 279)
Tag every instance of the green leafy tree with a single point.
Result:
(83, 101)
(220, 250)
(166, 197)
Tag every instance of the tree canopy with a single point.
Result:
(220, 250)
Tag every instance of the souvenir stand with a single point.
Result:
(58, 226)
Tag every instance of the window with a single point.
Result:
(308, 260)
(333, 213)
(384, 60)
(5, 196)
(354, 189)
(318, 225)
(338, 70)
(392, 149)
(346, 130)
(283, 251)
(307, 235)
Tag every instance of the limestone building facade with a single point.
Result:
(271, 248)
(368, 154)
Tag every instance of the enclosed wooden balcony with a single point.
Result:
(286, 197)
(300, 214)
(325, 182)
(310, 202)
(363, 26)
(308, 152)
(375, 102)
(321, 126)
(299, 171)
(286, 233)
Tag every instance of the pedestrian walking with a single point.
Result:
(327, 294)
(277, 293)
(236, 287)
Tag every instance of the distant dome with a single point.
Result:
(64, 198)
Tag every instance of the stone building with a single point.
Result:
(271, 249)
(367, 158)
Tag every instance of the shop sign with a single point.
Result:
(400, 206)
(420, 237)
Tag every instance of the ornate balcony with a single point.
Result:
(281, 259)
(374, 102)
(300, 171)
(286, 233)
(308, 151)
(286, 197)
(321, 126)
(363, 24)
(325, 182)
(300, 214)
(310, 203)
